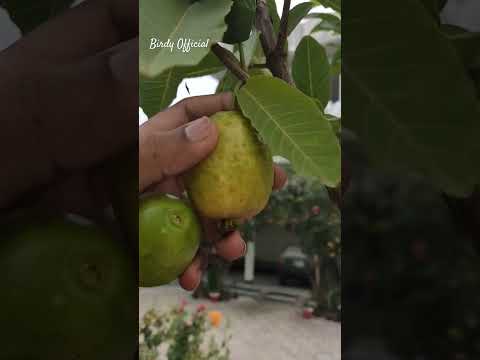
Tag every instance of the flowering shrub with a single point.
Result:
(183, 335)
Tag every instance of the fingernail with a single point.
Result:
(198, 130)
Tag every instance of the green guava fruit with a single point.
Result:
(169, 238)
(69, 291)
(235, 181)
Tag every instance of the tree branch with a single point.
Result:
(276, 60)
(231, 62)
(265, 26)
(283, 33)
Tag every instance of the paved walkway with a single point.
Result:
(262, 330)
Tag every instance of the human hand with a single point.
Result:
(172, 142)
(70, 89)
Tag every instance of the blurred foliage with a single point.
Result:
(28, 14)
(187, 335)
(303, 207)
(411, 280)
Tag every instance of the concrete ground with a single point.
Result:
(261, 329)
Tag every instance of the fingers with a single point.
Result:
(190, 109)
(86, 112)
(279, 177)
(191, 277)
(168, 153)
(231, 247)
(92, 26)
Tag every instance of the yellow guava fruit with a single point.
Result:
(235, 181)
(169, 237)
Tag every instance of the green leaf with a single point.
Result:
(336, 65)
(407, 95)
(177, 22)
(158, 92)
(228, 83)
(441, 4)
(293, 127)
(329, 22)
(249, 47)
(332, 4)
(311, 70)
(433, 7)
(335, 123)
(240, 21)
(467, 43)
(210, 64)
(28, 14)
(297, 14)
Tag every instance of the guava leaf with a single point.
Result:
(412, 111)
(158, 92)
(297, 14)
(28, 14)
(433, 7)
(441, 4)
(176, 22)
(311, 70)
(333, 4)
(240, 21)
(329, 22)
(336, 64)
(228, 83)
(250, 46)
(335, 123)
(293, 127)
(467, 43)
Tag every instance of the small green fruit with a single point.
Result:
(236, 179)
(69, 292)
(169, 238)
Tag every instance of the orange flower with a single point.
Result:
(215, 318)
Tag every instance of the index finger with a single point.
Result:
(191, 109)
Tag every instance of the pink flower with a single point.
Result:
(201, 308)
(182, 305)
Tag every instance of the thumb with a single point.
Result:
(173, 152)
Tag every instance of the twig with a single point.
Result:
(231, 62)
(265, 26)
(241, 50)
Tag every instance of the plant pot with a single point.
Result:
(307, 312)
